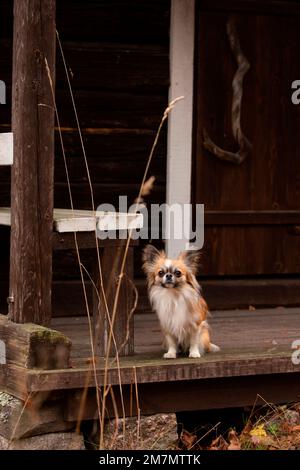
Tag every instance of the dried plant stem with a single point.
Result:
(206, 434)
(93, 208)
(75, 238)
(138, 409)
(121, 275)
(114, 341)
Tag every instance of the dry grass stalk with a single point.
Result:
(145, 188)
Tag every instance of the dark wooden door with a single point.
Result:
(253, 208)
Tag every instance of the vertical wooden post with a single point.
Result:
(124, 324)
(32, 171)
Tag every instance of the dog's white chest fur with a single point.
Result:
(174, 313)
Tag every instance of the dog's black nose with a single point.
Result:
(169, 277)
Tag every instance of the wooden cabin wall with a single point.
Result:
(117, 55)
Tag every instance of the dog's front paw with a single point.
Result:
(214, 348)
(170, 355)
(194, 354)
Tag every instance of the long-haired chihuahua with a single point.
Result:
(176, 297)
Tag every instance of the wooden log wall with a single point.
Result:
(117, 55)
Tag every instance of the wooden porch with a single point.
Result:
(51, 367)
(254, 364)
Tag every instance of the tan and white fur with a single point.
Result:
(176, 297)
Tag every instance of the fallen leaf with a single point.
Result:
(234, 442)
(188, 439)
(295, 428)
(258, 431)
(218, 444)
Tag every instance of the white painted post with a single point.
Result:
(6, 148)
(180, 126)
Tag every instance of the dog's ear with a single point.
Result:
(150, 255)
(191, 259)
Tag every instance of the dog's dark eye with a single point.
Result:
(177, 273)
(161, 273)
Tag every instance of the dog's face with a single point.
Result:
(170, 273)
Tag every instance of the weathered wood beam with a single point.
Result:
(123, 327)
(33, 419)
(191, 395)
(34, 346)
(151, 369)
(32, 172)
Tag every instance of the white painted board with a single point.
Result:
(6, 148)
(66, 220)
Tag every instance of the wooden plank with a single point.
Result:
(237, 293)
(183, 395)
(235, 331)
(68, 220)
(67, 298)
(111, 109)
(129, 21)
(104, 193)
(112, 66)
(252, 342)
(264, 7)
(259, 217)
(273, 251)
(111, 170)
(34, 346)
(33, 169)
(192, 395)
(159, 370)
(179, 159)
(123, 329)
(85, 240)
(241, 293)
(13, 380)
(6, 148)
(106, 110)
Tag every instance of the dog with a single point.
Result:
(176, 297)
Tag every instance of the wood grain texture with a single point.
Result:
(159, 371)
(252, 343)
(255, 358)
(34, 346)
(193, 395)
(259, 217)
(123, 329)
(33, 169)
(270, 7)
(250, 207)
(117, 33)
(68, 220)
(265, 330)
(106, 66)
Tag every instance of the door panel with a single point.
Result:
(266, 184)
